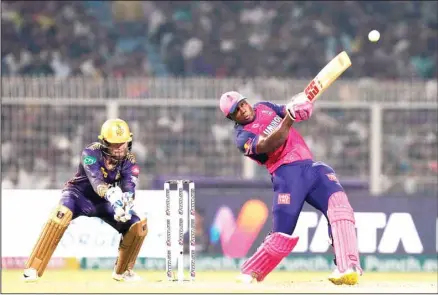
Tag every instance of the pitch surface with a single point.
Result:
(98, 281)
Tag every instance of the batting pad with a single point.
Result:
(49, 238)
(275, 247)
(341, 218)
(130, 246)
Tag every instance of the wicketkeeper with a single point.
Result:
(104, 187)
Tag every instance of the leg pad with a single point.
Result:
(275, 247)
(341, 218)
(130, 246)
(49, 238)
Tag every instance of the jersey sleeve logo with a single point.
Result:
(332, 177)
(95, 146)
(248, 146)
(89, 160)
(135, 170)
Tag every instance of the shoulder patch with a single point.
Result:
(94, 146)
(89, 160)
(131, 157)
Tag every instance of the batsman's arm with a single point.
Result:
(93, 172)
(130, 172)
(251, 144)
(268, 144)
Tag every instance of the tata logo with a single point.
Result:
(368, 224)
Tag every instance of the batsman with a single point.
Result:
(103, 187)
(265, 133)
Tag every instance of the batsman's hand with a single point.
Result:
(299, 108)
(114, 195)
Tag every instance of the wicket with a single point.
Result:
(192, 240)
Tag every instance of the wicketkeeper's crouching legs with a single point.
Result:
(133, 235)
(47, 242)
(133, 232)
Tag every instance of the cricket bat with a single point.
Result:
(327, 76)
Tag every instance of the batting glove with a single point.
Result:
(299, 108)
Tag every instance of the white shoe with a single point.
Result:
(245, 279)
(349, 277)
(30, 275)
(128, 276)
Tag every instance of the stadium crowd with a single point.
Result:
(296, 38)
(217, 39)
(224, 38)
(61, 39)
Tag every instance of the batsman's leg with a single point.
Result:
(341, 217)
(48, 241)
(274, 248)
(133, 233)
(329, 197)
(288, 201)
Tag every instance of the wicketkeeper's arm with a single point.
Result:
(92, 170)
(130, 173)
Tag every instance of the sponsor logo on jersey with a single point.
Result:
(89, 160)
(272, 126)
(283, 199)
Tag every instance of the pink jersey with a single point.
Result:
(267, 118)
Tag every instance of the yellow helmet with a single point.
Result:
(115, 131)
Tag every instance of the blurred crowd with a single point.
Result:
(62, 39)
(222, 38)
(41, 144)
(296, 38)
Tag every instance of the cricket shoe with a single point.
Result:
(349, 277)
(245, 279)
(128, 276)
(30, 275)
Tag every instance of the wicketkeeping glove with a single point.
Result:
(114, 195)
(128, 201)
